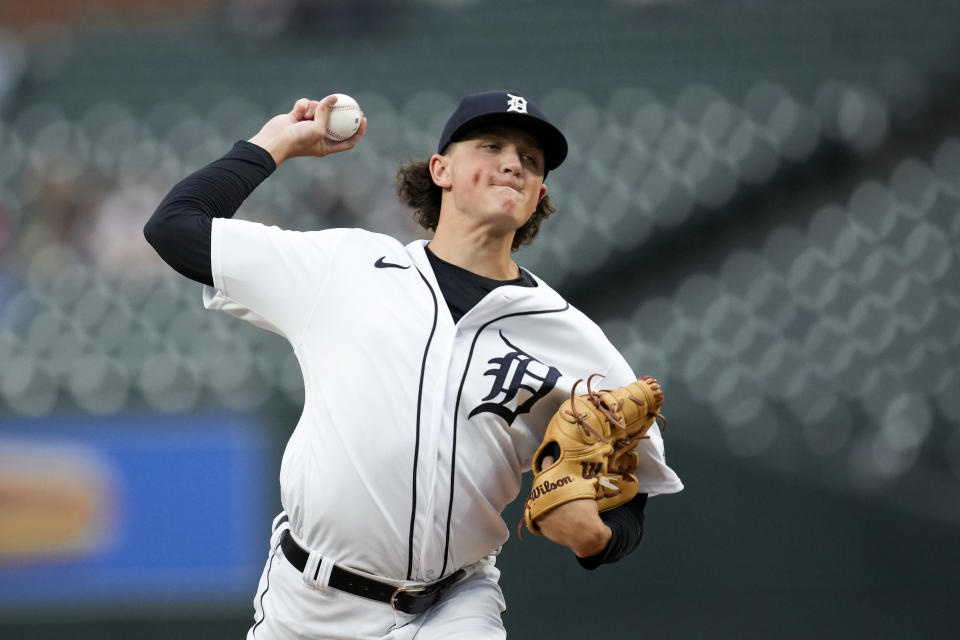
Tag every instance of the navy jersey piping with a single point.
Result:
(416, 446)
(253, 631)
(456, 413)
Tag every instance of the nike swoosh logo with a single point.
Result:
(380, 264)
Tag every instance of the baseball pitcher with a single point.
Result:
(435, 372)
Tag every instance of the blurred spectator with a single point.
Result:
(12, 63)
(6, 281)
(5, 232)
(60, 218)
(113, 240)
(264, 19)
(261, 19)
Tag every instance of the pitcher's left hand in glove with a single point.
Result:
(590, 448)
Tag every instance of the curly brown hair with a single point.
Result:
(417, 190)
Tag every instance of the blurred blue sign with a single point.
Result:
(131, 509)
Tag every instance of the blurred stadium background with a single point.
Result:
(761, 206)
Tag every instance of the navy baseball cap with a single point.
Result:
(510, 109)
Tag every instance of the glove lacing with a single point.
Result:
(622, 445)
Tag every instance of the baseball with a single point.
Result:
(345, 118)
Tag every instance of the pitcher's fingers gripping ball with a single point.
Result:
(344, 118)
(592, 439)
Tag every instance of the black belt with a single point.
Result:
(413, 600)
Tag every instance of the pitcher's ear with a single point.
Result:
(440, 170)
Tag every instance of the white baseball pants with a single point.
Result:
(286, 607)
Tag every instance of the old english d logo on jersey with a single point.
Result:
(515, 372)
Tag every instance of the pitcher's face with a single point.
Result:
(496, 174)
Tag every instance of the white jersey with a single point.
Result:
(415, 430)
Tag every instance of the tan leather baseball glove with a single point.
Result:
(593, 440)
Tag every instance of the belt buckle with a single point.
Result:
(411, 590)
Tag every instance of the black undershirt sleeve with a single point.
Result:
(179, 230)
(626, 524)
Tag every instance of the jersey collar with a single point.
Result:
(506, 299)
